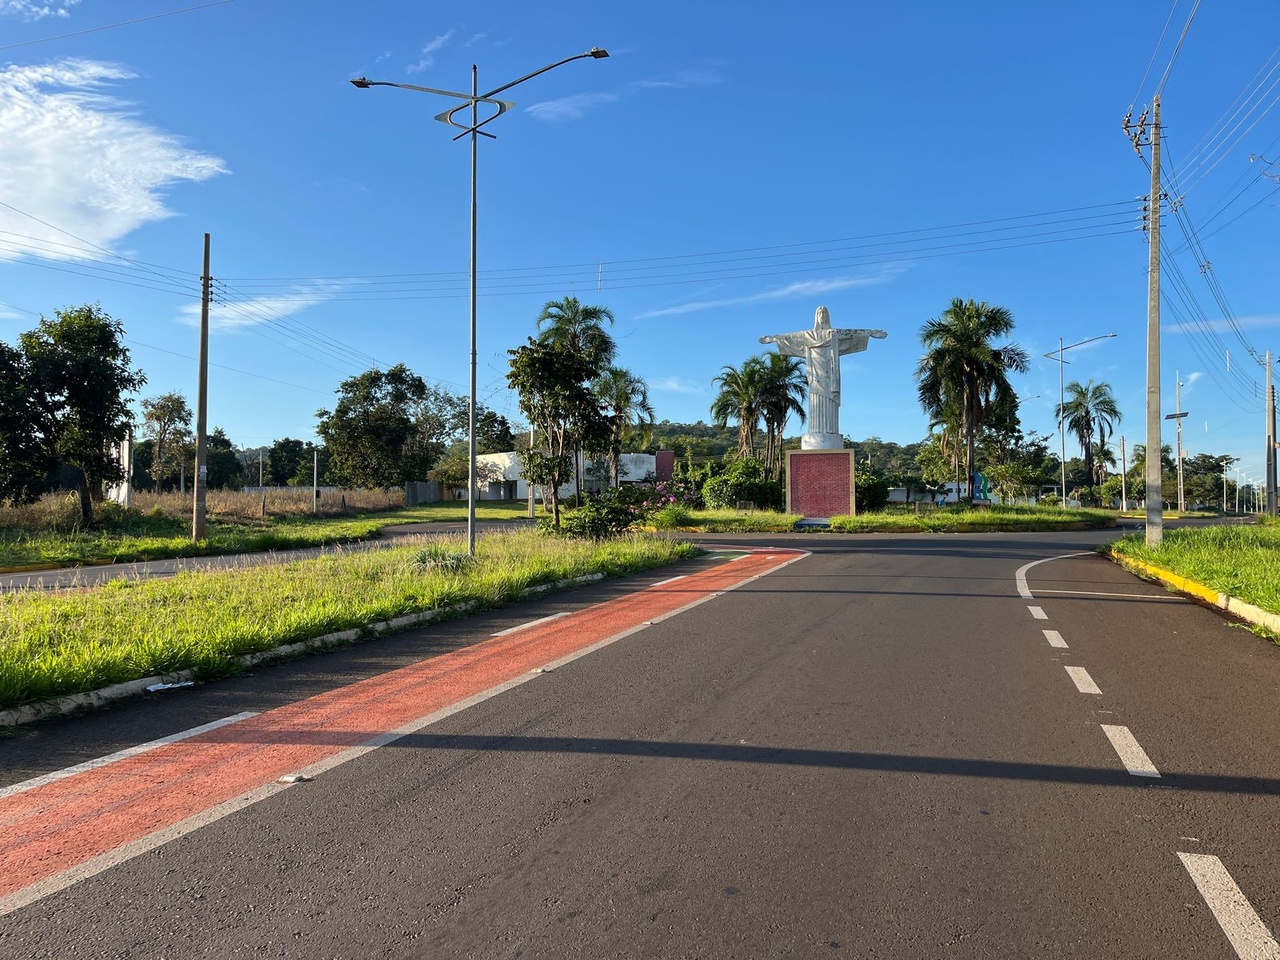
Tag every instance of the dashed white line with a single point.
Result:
(531, 623)
(1037, 613)
(1249, 936)
(1132, 755)
(1080, 677)
(663, 583)
(62, 774)
(1054, 638)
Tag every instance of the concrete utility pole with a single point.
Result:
(1124, 480)
(1155, 501)
(1178, 417)
(202, 405)
(1271, 441)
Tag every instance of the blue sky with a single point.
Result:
(729, 168)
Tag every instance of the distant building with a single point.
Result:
(507, 484)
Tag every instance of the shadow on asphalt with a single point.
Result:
(774, 756)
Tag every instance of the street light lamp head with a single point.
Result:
(362, 83)
(597, 53)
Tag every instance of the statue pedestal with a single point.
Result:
(822, 441)
(820, 483)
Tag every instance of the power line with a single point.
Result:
(1177, 48)
(113, 26)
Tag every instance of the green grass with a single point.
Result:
(962, 519)
(732, 521)
(127, 536)
(70, 642)
(1240, 561)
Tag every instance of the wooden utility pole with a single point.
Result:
(202, 405)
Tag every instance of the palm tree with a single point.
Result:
(1103, 457)
(963, 373)
(625, 400)
(741, 398)
(578, 327)
(1089, 411)
(783, 392)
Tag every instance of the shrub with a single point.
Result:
(602, 517)
(743, 480)
(870, 492)
(671, 517)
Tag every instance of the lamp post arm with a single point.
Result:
(595, 53)
(362, 83)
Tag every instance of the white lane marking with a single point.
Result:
(1020, 578)
(531, 623)
(1130, 596)
(663, 583)
(1054, 638)
(119, 755)
(1080, 677)
(1132, 755)
(122, 854)
(1037, 613)
(1249, 936)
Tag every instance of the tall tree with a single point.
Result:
(962, 370)
(166, 420)
(83, 368)
(551, 384)
(624, 401)
(1089, 411)
(24, 458)
(225, 469)
(285, 458)
(578, 328)
(373, 437)
(741, 398)
(493, 433)
(782, 394)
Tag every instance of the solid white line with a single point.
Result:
(1249, 936)
(1020, 578)
(1080, 677)
(1132, 755)
(1037, 613)
(1130, 596)
(531, 623)
(663, 583)
(119, 755)
(1054, 638)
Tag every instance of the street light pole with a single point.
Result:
(1062, 433)
(473, 100)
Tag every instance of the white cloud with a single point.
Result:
(242, 313)
(30, 10)
(1258, 322)
(81, 160)
(475, 39)
(568, 108)
(428, 58)
(803, 288)
(677, 385)
(693, 77)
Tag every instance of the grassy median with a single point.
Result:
(48, 535)
(1240, 561)
(73, 641)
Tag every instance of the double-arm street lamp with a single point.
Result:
(473, 100)
(1062, 433)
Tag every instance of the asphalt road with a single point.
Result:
(877, 750)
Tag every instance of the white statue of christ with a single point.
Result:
(821, 349)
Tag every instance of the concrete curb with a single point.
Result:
(1233, 605)
(92, 699)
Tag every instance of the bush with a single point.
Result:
(743, 480)
(602, 517)
(671, 517)
(870, 492)
(438, 558)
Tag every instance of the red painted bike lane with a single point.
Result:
(62, 831)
